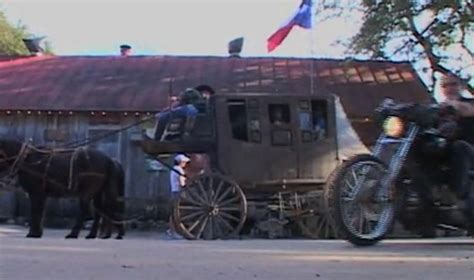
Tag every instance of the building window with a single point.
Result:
(238, 119)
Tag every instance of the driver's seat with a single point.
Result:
(174, 129)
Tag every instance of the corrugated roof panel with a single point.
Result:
(142, 83)
(352, 75)
(366, 74)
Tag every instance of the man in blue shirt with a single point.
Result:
(185, 109)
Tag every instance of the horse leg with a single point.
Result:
(119, 199)
(106, 228)
(37, 202)
(117, 209)
(114, 192)
(119, 217)
(84, 207)
(96, 217)
(120, 231)
(112, 218)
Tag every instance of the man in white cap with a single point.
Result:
(177, 181)
(177, 178)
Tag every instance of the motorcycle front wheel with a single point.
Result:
(363, 210)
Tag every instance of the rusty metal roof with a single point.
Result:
(142, 83)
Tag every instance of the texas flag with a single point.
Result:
(302, 17)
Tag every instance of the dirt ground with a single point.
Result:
(151, 255)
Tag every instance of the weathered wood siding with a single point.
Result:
(144, 190)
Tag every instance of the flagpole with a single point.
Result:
(311, 52)
(311, 64)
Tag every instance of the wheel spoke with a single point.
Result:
(350, 190)
(223, 195)
(224, 222)
(194, 196)
(219, 232)
(211, 189)
(203, 192)
(190, 229)
(211, 207)
(189, 207)
(352, 217)
(229, 216)
(218, 190)
(192, 215)
(347, 199)
(210, 228)
(229, 208)
(361, 221)
(306, 215)
(203, 226)
(229, 201)
(354, 176)
(189, 199)
(320, 225)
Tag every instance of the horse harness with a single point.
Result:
(27, 149)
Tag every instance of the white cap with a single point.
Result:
(181, 158)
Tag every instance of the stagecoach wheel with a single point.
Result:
(210, 207)
(312, 217)
(363, 211)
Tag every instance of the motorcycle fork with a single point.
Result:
(397, 160)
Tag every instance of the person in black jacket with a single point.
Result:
(462, 149)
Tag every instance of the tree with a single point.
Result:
(438, 33)
(11, 38)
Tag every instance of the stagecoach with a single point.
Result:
(270, 156)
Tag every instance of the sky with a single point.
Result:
(175, 27)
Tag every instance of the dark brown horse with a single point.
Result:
(101, 219)
(87, 174)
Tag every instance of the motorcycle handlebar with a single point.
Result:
(422, 114)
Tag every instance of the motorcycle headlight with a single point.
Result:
(393, 127)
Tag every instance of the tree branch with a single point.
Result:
(434, 60)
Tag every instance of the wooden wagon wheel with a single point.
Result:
(210, 207)
(312, 217)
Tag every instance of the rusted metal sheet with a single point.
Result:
(143, 83)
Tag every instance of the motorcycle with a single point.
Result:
(406, 178)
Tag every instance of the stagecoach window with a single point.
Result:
(279, 113)
(238, 119)
(319, 118)
(306, 121)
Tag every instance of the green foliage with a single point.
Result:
(11, 38)
(437, 31)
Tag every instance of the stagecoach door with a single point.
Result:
(256, 136)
